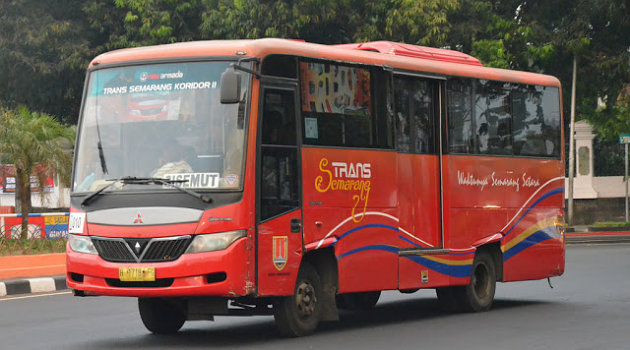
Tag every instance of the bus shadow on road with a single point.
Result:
(229, 331)
(414, 310)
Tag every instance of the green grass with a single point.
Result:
(31, 246)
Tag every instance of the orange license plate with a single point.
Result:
(136, 274)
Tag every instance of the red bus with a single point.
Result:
(285, 178)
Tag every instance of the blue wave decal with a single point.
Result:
(543, 197)
(534, 238)
(445, 269)
(364, 227)
(383, 247)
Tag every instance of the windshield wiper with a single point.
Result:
(133, 180)
(166, 182)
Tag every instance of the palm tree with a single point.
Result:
(36, 144)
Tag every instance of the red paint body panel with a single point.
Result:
(189, 272)
(353, 195)
(142, 231)
(276, 278)
(426, 198)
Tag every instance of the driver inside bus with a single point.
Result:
(172, 161)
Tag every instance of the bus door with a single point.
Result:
(418, 112)
(279, 214)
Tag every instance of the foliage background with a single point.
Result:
(45, 46)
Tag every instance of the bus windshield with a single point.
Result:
(160, 121)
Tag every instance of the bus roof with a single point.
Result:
(408, 50)
(402, 57)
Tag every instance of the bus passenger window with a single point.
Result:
(414, 114)
(460, 123)
(338, 106)
(493, 120)
(536, 121)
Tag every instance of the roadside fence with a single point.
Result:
(46, 233)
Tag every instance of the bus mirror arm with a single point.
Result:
(237, 66)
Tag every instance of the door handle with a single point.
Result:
(296, 225)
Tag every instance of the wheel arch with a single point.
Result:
(494, 249)
(325, 263)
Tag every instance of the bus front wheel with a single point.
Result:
(161, 316)
(298, 314)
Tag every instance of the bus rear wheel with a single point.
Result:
(161, 316)
(298, 314)
(478, 295)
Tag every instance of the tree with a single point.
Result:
(44, 51)
(328, 21)
(117, 24)
(36, 144)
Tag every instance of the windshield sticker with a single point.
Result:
(196, 180)
(177, 75)
(310, 128)
(231, 179)
(166, 87)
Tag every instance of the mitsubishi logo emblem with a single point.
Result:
(138, 219)
(137, 247)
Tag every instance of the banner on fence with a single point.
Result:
(40, 226)
(56, 226)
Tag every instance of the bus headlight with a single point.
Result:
(214, 241)
(81, 244)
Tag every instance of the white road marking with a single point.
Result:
(35, 296)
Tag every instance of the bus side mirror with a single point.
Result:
(230, 86)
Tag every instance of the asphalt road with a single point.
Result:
(588, 308)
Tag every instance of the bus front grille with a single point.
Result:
(131, 250)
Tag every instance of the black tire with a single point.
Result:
(299, 314)
(358, 301)
(478, 295)
(161, 316)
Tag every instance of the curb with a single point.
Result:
(597, 239)
(32, 285)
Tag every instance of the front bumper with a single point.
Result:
(221, 273)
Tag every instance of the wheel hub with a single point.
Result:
(305, 299)
(481, 284)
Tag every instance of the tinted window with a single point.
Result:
(499, 118)
(278, 118)
(492, 117)
(536, 121)
(460, 120)
(415, 114)
(280, 65)
(279, 172)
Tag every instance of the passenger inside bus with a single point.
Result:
(172, 160)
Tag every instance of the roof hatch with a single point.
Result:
(408, 50)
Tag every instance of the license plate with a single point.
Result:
(136, 274)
